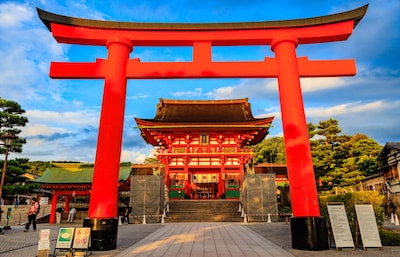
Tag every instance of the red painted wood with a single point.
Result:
(117, 68)
(230, 37)
(202, 69)
(303, 191)
(104, 198)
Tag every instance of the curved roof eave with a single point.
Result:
(355, 14)
(152, 123)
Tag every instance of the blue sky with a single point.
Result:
(64, 114)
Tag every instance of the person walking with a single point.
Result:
(33, 211)
(71, 214)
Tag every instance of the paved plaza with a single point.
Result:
(188, 239)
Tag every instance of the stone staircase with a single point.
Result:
(203, 211)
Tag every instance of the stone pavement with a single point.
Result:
(188, 239)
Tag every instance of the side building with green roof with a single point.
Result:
(74, 179)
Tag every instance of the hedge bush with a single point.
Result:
(349, 200)
(390, 238)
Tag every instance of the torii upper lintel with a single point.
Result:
(94, 32)
(50, 18)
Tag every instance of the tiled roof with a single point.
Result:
(83, 175)
(199, 111)
(394, 145)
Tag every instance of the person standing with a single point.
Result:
(128, 210)
(71, 214)
(59, 212)
(33, 210)
(16, 201)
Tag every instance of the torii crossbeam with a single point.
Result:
(308, 227)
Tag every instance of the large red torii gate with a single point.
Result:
(308, 227)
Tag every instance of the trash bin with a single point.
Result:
(104, 233)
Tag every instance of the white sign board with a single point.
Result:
(340, 226)
(44, 243)
(368, 227)
(44, 239)
(81, 238)
(44, 200)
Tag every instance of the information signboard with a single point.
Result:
(44, 243)
(340, 225)
(81, 238)
(64, 238)
(368, 227)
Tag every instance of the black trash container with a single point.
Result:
(104, 233)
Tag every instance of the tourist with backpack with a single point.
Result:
(32, 213)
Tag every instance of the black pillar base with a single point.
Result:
(6, 228)
(104, 233)
(309, 233)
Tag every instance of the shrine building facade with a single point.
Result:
(203, 145)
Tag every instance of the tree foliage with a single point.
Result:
(342, 160)
(11, 120)
(15, 181)
(338, 159)
(37, 167)
(151, 160)
(271, 150)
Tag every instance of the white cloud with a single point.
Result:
(78, 118)
(134, 157)
(26, 49)
(13, 15)
(194, 93)
(319, 84)
(265, 88)
(41, 129)
(344, 109)
(139, 96)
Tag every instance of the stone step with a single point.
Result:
(203, 211)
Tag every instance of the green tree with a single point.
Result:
(329, 129)
(342, 160)
(271, 150)
(325, 150)
(15, 181)
(11, 120)
(151, 160)
(338, 159)
(37, 167)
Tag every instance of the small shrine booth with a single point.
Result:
(74, 179)
(203, 145)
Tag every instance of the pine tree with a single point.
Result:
(11, 120)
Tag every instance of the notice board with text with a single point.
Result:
(368, 226)
(340, 225)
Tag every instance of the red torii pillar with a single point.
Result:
(308, 228)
